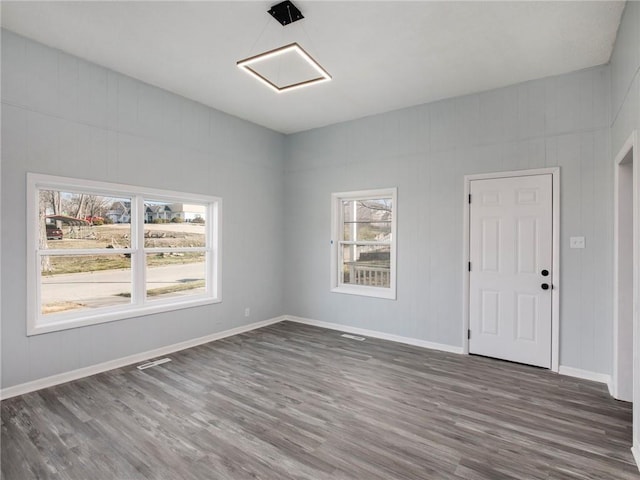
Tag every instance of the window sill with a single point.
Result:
(386, 293)
(54, 324)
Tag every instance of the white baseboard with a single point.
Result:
(124, 361)
(375, 334)
(635, 450)
(587, 375)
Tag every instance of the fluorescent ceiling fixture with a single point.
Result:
(251, 64)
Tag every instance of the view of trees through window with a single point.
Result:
(366, 242)
(85, 250)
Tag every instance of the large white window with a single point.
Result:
(100, 252)
(363, 245)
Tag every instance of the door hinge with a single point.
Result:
(469, 334)
(469, 266)
(469, 198)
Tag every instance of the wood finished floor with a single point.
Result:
(296, 402)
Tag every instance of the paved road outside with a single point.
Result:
(85, 287)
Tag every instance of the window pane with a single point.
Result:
(75, 220)
(366, 265)
(171, 225)
(80, 282)
(175, 274)
(368, 231)
(368, 220)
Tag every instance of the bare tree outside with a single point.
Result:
(383, 204)
(52, 200)
(89, 206)
(78, 209)
(45, 198)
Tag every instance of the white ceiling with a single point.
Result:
(382, 55)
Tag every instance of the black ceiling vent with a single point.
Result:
(286, 13)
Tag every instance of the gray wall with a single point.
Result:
(64, 116)
(625, 80)
(425, 151)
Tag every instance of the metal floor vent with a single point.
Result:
(153, 363)
(353, 337)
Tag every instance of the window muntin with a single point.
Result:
(97, 259)
(363, 259)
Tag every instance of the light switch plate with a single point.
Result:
(576, 242)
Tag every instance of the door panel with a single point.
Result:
(526, 317)
(490, 249)
(490, 312)
(510, 244)
(526, 241)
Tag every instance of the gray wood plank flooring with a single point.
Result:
(291, 401)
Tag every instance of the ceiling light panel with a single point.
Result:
(285, 68)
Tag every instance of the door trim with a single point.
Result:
(555, 267)
(629, 149)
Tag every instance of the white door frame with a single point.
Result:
(624, 158)
(555, 267)
(629, 147)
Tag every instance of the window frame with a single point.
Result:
(140, 305)
(337, 227)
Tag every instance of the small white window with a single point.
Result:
(363, 245)
(101, 252)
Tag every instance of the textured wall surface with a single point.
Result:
(64, 116)
(625, 82)
(425, 151)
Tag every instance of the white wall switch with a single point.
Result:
(576, 242)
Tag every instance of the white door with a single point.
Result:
(511, 241)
